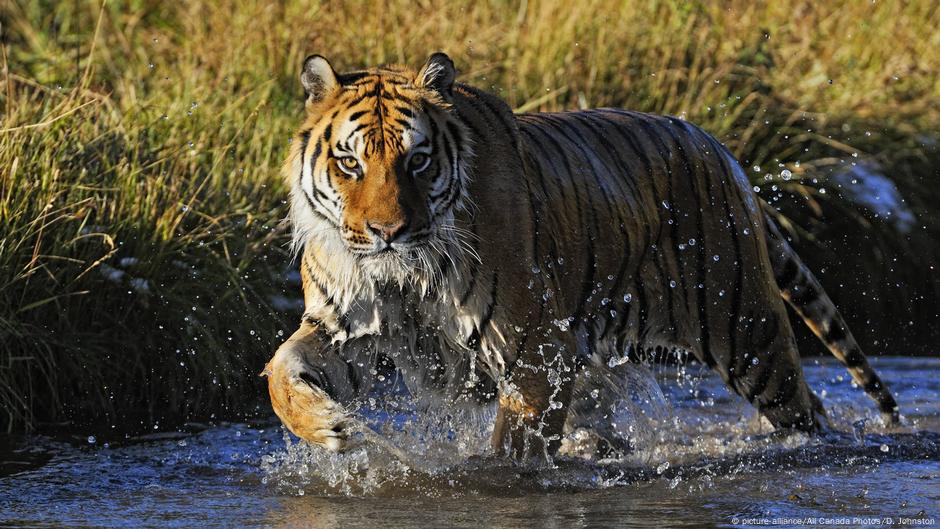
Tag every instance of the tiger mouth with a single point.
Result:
(405, 250)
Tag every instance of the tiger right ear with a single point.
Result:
(318, 78)
(438, 74)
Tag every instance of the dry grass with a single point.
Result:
(139, 146)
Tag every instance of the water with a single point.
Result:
(708, 461)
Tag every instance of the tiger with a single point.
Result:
(497, 258)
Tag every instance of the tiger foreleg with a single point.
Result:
(533, 405)
(307, 381)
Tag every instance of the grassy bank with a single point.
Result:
(142, 260)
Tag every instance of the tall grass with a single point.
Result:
(140, 203)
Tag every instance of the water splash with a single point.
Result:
(628, 422)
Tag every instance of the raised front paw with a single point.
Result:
(298, 398)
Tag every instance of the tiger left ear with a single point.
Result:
(318, 78)
(438, 74)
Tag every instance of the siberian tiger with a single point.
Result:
(493, 255)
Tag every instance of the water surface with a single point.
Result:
(700, 458)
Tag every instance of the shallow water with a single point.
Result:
(702, 459)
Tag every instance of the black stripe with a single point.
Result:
(726, 158)
(304, 140)
(358, 128)
(588, 279)
(316, 377)
(488, 312)
(662, 149)
(534, 205)
(737, 265)
(804, 294)
(438, 139)
(578, 142)
(789, 273)
(627, 136)
(352, 77)
(854, 358)
(379, 113)
(543, 174)
(615, 286)
(455, 132)
(834, 334)
(352, 373)
(700, 189)
(479, 102)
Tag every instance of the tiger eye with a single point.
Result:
(418, 160)
(349, 162)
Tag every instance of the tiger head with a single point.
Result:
(380, 166)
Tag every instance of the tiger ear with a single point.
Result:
(318, 78)
(438, 74)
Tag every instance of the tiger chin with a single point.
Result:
(500, 257)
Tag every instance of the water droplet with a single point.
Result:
(692, 242)
(672, 284)
(884, 448)
(92, 440)
(628, 298)
(756, 168)
(755, 361)
(715, 258)
(786, 174)
(662, 467)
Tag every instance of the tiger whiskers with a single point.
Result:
(459, 236)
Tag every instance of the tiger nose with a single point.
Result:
(387, 232)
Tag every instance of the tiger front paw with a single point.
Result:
(298, 398)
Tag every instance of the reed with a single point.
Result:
(144, 276)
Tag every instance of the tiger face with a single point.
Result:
(381, 163)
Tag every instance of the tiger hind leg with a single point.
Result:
(776, 386)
